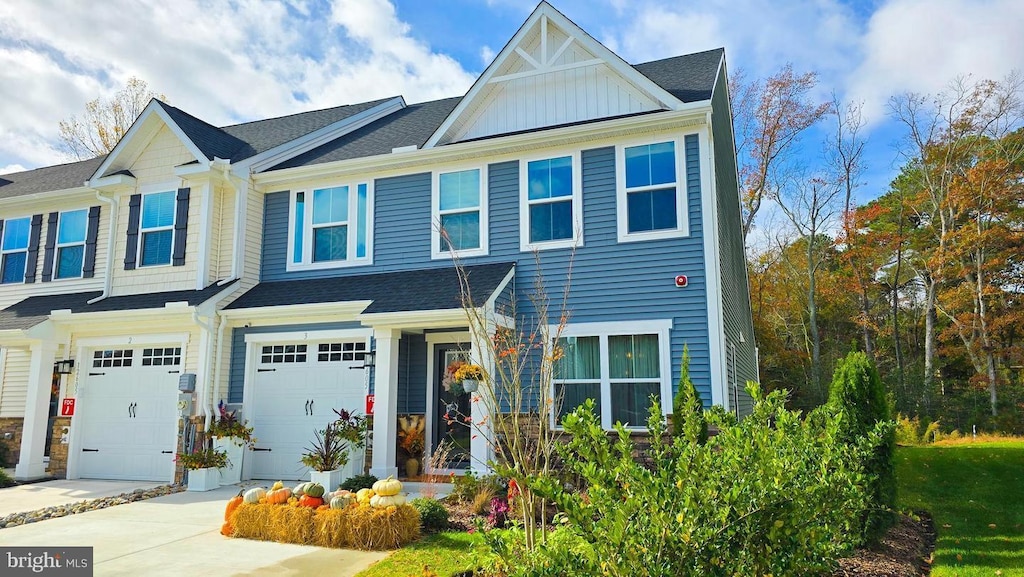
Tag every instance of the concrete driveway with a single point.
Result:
(178, 535)
(33, 496)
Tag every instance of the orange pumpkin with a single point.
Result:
(228, 529)
(279, 497)
(307, 501)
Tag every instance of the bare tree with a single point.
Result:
(105, 121)
(769, 116)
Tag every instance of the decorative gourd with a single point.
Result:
(253, 496)
(381, 501)
(310, 501)
(315, 490)
(387, 487)
(279, 497)
(300, 489)
(363, 496)
(340, 501)
(277, 485)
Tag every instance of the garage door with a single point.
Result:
(296, 389)
(128, 406)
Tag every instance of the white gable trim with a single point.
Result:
(303, 144)
(542, 14)
(125, 144)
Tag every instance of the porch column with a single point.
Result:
(385, 405)
(481, 446)
(37, 410)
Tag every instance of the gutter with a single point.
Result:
(110, 246)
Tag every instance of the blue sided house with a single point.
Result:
(310, 263)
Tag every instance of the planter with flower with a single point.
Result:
(461, 377)
(233, 437)
(203, 466)
(331, 454)
(411, 439)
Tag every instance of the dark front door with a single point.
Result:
(451, 408)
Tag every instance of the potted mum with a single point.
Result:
(233, 437)
(470, 376)
(203, 466)
(329, 453)
(411, 440)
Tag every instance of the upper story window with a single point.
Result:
(459, 206)
(157, 228)
(550, 205)
(330, 227)
(71, 232)
(619, 365)
(14, 249)
(651, 192)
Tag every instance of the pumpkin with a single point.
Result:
(315, 490)
(232, 505)
(363, 495)
(310, 501)
(387, 487)
(227, 529)
(300, 489)
(279, 497)
(381, 501)
(253, 496)
(340, 501)
(277, 485)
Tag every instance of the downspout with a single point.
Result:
(110, 246)
(237, 262)
(221, 327)
(202, 396)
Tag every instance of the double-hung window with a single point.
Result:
(550, 206)
(14, 249)
(157, 228)
(459, 206)
(330, 226)
(71, 230)
(651, 191)
(622, 366)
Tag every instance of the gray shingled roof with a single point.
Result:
(690, 77)
(415, 290)
(34, 310)
(48, 178)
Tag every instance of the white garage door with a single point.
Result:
(128, 406)
(296, 389)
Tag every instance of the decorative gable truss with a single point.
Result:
(551, 73)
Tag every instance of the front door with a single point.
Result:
(451, 408)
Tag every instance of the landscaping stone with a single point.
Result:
(23, 518)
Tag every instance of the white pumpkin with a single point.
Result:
(387, 487)
(381, 501)
(253, 496)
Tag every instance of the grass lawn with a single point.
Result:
(975, 493)
(444, 553)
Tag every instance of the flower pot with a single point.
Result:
(235, 448)
(329, 479)
(206, 479)
(412, 467)
(470, 385)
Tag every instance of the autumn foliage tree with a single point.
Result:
(105, 121)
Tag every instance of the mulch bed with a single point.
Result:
(905, 551)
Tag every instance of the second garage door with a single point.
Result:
(295, 391)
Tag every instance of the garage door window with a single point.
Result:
(112, 358)
(283, 354)
(161, 357)
(329, 352)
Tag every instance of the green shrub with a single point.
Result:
(774, 494)
(5, 479)
(857, 397)
(687, 410)
(465, 488)
(433, 515)
(356, 482)
(5, 455)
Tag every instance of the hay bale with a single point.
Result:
(356, 526)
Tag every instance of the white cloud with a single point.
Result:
(223, 62)
(922, 45)
(487, 55)
(11, 168)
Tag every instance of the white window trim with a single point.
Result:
(173, 189)
(662, 328)
(59, 245)
(682, 194)
(4, 252)
(525, 245)
(435, 214)
(307, 232)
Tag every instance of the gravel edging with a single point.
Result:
(16, 519)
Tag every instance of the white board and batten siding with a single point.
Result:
(15, 383)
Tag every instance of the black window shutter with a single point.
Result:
(89, 262)
(51, 244)
(132, 247)
(180, 227)
(32, 259)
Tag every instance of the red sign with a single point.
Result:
(67, 408)
(369, 405)
(681, 280)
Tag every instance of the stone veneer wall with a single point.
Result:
(13, 426)
(59, 450)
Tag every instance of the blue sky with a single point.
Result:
(233, 61)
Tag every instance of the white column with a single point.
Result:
(37, 411)
(481, 448)
(385, 405)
